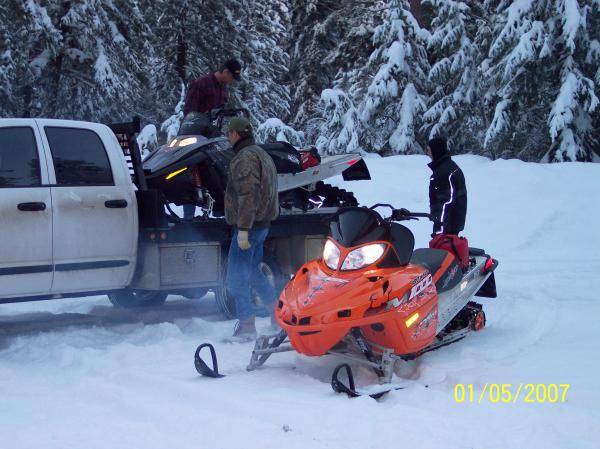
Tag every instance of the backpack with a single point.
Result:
(458, 246)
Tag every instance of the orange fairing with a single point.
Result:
(394, 307)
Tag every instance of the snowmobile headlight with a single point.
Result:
(187, 141)
(363, 256)
(173, 143)
(331, 255)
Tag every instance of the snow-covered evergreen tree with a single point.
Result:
(395, 99)
(455, 109)
(542, 83)
(274, 130)
(262, 42)
(340, 126)
(316, 31)
(6, 62)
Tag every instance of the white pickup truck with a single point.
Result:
(72, 223)
(68, 210)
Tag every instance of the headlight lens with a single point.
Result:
(331, 255)
(363, 256)
(186, 142)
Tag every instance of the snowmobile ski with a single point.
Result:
(376, 392)
(201, 365)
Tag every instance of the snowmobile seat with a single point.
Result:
(285, 156)
(476, 251)
(446, 273)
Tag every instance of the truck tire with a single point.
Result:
(137, 298)
(226, 303)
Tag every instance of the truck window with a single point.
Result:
(19, 160)
(79, 157)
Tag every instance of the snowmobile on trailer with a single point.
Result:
(188, 256)
(192, 169)
(375, 300)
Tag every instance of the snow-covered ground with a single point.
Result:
(117, 380)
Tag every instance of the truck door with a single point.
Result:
(95, 210)
(25, 212)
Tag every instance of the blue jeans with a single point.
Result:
(188, 211)
(244, 274)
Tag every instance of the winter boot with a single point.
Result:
(244, 331)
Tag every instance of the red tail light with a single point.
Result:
(352, 161)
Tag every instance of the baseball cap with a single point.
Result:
(239, 124)
(234, 66)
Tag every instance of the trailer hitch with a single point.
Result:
(201, 365)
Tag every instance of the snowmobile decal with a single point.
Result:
(418, 288)
(425, 324)
(321, 282)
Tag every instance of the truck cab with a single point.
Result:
(68, 210)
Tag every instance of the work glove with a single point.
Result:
(242, 240)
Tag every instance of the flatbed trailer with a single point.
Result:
(190, 257)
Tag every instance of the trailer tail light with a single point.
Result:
(196, 178)
(163, 236)
(152, 236)
(489, 266)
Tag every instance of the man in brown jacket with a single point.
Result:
(251, 203)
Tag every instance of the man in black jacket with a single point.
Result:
(447, 190)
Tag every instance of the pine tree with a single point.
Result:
(542, 87)
(7, 65)
(83, 58)
(455, 110)
(262, 39)
(316, 31)
(391, 108)
(340, 126)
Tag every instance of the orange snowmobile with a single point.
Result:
(373, 299)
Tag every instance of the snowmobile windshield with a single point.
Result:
(355, 226)
(169, 155)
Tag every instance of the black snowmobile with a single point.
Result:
(192, 169)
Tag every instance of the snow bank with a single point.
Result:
(147, 140)
(124, 386)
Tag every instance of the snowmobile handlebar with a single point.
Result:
(219, 114)
(401, 214)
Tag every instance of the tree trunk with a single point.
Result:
(415, 8)
(180, 65)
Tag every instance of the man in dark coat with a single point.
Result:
(251, 203)
(447, 190)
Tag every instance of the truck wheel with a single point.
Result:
(271, 270)
(137, 298)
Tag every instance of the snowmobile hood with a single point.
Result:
(170, 157)
(317, 308)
